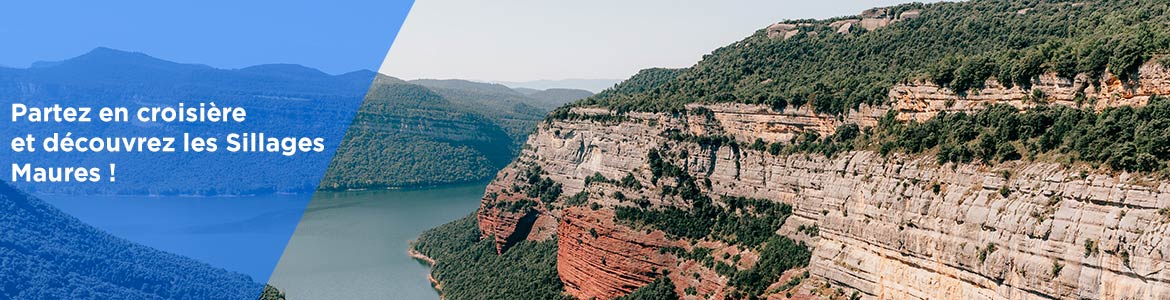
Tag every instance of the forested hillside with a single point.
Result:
(47, 254)
(471, 269)
(958, 45)
(433, 132)
(281, 100)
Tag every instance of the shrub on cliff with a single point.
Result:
(778, 255)
(1122, 139)
(469, 268)
(660, 289)
(954, 44)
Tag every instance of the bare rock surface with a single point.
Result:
(894, 227)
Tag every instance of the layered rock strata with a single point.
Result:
(893, 227)
(922, 100)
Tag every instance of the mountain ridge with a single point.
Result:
(591, 85)
(434, 132)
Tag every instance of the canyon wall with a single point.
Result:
(889, 227)
(922, 100)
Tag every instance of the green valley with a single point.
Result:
(435, 132)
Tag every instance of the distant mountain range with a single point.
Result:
(47, 254)
(433, 132)
(281, 100)
(421, 132)
(592, 85)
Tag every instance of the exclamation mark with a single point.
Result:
(112, 166)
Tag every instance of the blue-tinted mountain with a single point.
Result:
(281, 99)
(47, 254)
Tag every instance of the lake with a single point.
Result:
(352, 245)
(245, 234)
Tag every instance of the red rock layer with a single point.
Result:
(597, 259)
(502, 226)
(497, 222)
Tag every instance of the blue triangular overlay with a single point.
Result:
(177, 225)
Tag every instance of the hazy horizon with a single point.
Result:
(525, 41)
(332, 38)
(594, 85)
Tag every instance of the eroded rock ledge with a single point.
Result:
(895, 227)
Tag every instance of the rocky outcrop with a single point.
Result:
(844, 26)
(875, 18)
(870, 19)
(782, 30)
(596, 258)
(893, 227)
(1053, 234)
(499, 220)
(507, 227)
(749, 122)
(922, 100)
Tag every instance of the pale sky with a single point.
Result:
(522, 40)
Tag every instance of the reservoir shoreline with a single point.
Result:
(351, 245)
(430, 274)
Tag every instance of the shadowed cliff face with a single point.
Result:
(889, 227)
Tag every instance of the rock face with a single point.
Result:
(749, 122)
(782, 30)
(598, 259)
(894, 227)
(870, 19)
(921, 101)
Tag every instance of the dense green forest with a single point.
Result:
(660, 289)
(958, 45)
(48, 254)
(470, 269)
(1131, 139)
(511, 110)
(955, 44)
(433, 132)
(1121, 139)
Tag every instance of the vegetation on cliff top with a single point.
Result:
(659, 289)
(1131, 139)
(469, 268)
(748, 222)
(1122, 139)
(955, 44)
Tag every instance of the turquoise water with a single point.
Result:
(352, 245)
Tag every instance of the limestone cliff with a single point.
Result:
(889, 227)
